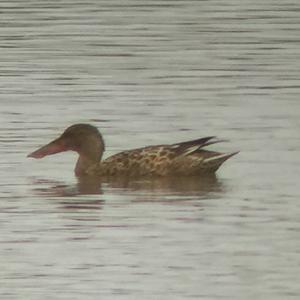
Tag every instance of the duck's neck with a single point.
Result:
(83, 164)
(89, 155)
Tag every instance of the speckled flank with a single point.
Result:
(153, 160)
(162, 160)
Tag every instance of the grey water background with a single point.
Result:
(150, 72)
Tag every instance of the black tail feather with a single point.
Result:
(194, 145)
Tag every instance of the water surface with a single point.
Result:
(151, 72)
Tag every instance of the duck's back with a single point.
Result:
(182, 159)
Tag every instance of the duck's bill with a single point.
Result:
(53, 147)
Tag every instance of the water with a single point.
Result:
(150, 72)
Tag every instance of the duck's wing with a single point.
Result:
(192, 159)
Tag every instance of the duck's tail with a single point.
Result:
(214, 162)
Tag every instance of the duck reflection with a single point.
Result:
(90, 194)
(88, 185)
(53, 188)
(181, 185)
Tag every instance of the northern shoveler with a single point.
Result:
(180, 159)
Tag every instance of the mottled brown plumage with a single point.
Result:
(182, 159)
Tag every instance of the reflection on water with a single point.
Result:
(89, 185)
(85, 186)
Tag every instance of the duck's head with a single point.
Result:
(84, 139)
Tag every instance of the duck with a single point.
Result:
(188, 158)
